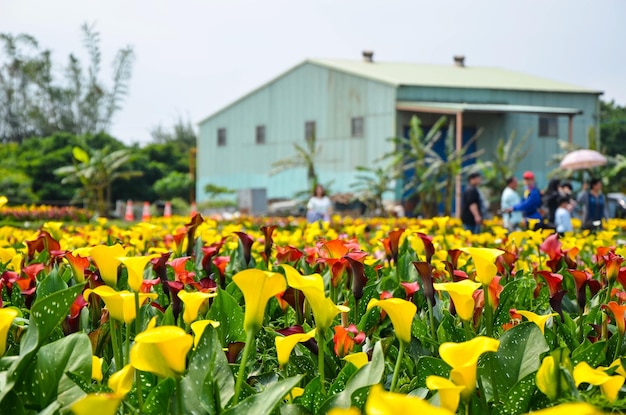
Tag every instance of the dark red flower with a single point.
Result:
(180, 271)
(425, 272)
(429, 248)
(288, 255)
(191, 227)
(246, 245)
(267, 233)
(553, 280)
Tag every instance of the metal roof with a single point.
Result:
(449, 76)
(454, 107)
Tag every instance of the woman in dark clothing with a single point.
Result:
(551, 199)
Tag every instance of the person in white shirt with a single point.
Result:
(510, 198)
(319, 205)
(563, 216)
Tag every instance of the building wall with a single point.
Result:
(498, 126)
(307, 93)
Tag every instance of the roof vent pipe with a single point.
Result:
(368, 56)
(459, 60)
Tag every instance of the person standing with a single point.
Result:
(510, 198)
(551, 199)
(594, 205)
(530, 204)
(563, 216)
(318, 207)
(472, 204)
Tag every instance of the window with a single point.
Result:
(260, 134)
(309, 130)
(357, 127)
(548, 126)
(221, 137)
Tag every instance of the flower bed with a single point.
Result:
(280, 316)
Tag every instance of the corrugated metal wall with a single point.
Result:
(307, 93)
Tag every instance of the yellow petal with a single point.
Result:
(577, 408)
(609, 385)
(620, 368)
(105, 258)
(193, 301)
(257, 287)
(295, 392)
(547, 378)
(463, 358)
(198, 328)
(462, 295)
(284, 345)
(449, 393)
(539, 320)
(7, 315)
(121, 382)
(161, 350)
(96, 368)
(135, 266)
(97, 403)
(344, 411)
(484, 261)
(359, 359)
(401, 313)
(380, 402)
(121, 304)
(312, 286)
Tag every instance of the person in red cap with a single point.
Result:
(530, 204)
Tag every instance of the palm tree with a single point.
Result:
(305, 156)
(372, 184)
(96, 172)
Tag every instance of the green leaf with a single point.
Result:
(264, 402)
(427, 366)
(80, 155)
(293, 409)
(228, 312)
(208, 362)
(47, 381)
(519, 355)
(368, 375)
(592, 353)
(45, 315)
(51, 284)
(518, 399)
(158, 401)
(312, 398)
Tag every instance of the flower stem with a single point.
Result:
(179, 396)
(469, 335)
(581, 335)
(127, 348)
(433, 330)
(620, 339)
(488, 312)
(138, 322)
(117, 355)
(609, 288)
(242, 365)
(396, 370)
(321, 344)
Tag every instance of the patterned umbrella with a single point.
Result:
(582, 159)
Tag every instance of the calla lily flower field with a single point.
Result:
(277, 316)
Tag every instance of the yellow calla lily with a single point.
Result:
(620, 369)
(484, 262)
(539, 320)
(574, 408)
(284, 345)
(344, 411)
(121, 382)
(7, 254)
(295, 392)
(135, 266)
(96, 368)
(7, 315)
(401, 313)
(193, 301)
(312, 286)
(381, 402)
(359, 359)
(609, 385)
(257, 287)
(462, 295)
(449, 393)
(121, 304)
(97, 403)
(198, 328)
(3, 201)
(105, 258)
(546, 376)
(463, 358)
(161, 351)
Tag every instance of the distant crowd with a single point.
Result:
(552, 208)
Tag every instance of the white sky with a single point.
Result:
(194, 57)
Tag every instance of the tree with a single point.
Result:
(96, 172)
(175, 184)
(505, 159)
(372, 183)
(304, 157)
(181, 134)
(34, 103)
(613, 127)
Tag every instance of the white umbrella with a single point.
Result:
(582, 159)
